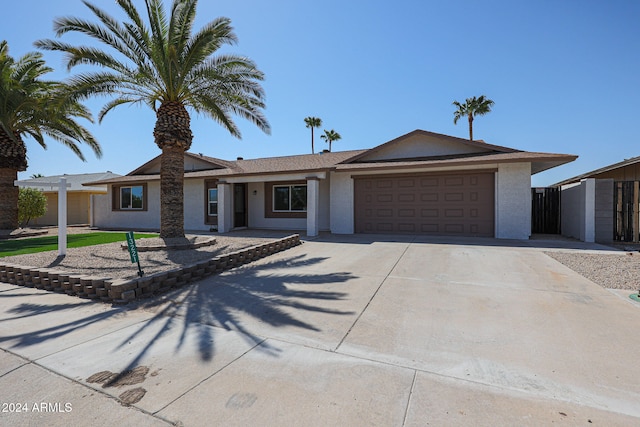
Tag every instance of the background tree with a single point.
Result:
(472, 107)
(32, 203)
(31, 106)
(330, 136)
(312, 122)
(162, 64)
(36, 175)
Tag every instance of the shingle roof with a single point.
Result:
(539, 161)
(355, 160)
(77, 181)
(263, 166)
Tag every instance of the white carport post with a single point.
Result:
(62, 216)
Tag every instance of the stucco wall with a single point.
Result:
(341, 205)
(513, 201)
(421, 146)
(105, 217)
(572, 211)
(604, 210)
(77, 209)
(257, 217)
(194, 205)
(587, 210)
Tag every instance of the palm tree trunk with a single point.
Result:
(470, 127)
(172, 192)
(312, 149)
(8, 199)
(173, 136)
(13, 159)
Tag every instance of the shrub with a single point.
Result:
(31, 204)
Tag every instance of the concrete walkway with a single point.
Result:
(351, 330)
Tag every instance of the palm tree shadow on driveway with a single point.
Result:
(264, 291)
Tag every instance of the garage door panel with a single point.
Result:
(384, 198)
(429, 204)
(406, 183)
(454, 197)
(430, 228)
(454, 213)
(384, 184)
(429, 182)
(457, 181)
(406, 198)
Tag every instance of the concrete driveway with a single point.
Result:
(353, 330)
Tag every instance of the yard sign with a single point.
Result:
(133, 251)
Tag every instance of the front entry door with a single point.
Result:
(239, 205)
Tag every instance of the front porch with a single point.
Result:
(291, 201)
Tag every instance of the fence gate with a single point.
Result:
(545, 210)
(623, 201)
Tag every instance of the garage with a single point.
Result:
(460, 204)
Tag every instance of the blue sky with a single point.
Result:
(564, 75)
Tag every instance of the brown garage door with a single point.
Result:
(446, 204)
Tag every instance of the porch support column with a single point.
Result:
(225, 213)
(636, 216)
(313, 208)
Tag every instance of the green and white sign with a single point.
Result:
(131, 244)
(133, 251)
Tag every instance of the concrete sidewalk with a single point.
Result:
(350, 330)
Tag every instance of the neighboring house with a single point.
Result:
(603, 205)
(79, 196)
(419, 183)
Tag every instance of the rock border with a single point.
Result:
(123, 291)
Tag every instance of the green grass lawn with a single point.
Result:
(50, 243)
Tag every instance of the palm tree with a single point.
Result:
(30, 106)
(312, 122)
(168, 68)
(330, 136)
(471, 108)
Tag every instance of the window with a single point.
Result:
(289, 198)
(131, 197)
(212, 202)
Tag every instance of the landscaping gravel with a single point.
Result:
(111, 261)
(613, 271)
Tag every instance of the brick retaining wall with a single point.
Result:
(121, 291)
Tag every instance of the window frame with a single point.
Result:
(271, 212)
(116, 202)
(210, 184)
